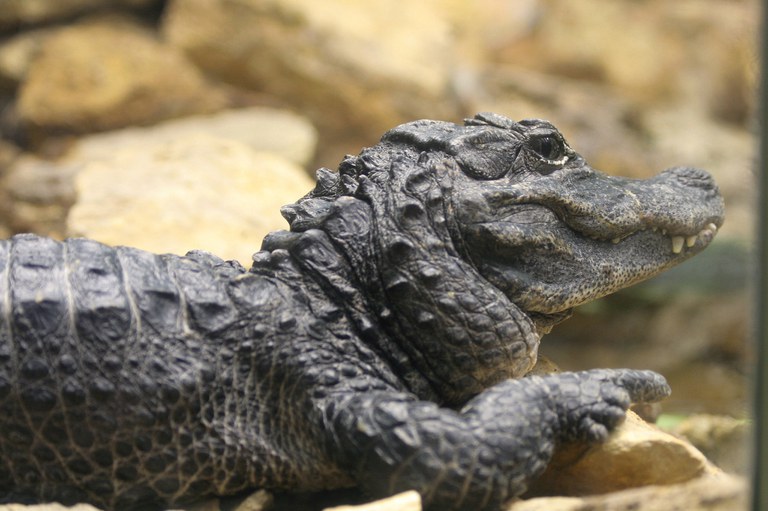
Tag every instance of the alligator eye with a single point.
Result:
(548, 147)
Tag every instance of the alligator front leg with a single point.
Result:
(490, 450)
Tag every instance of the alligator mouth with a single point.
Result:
(678, 244)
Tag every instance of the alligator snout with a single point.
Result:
(692, 177)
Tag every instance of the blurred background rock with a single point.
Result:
(180, 124)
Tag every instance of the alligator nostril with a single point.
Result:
(693, 177)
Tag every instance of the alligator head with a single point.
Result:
(550, 231)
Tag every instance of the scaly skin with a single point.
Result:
(381, 342)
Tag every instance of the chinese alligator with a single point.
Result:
(381, 342)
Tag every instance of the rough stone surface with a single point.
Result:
(38, 195)
(107, 74)
(16, 54)
(258, 501)
(14, 13)
(636, 454)
(356, 68)
(47, 507)
(618, 44)
(708, 493)
(406, 501)
(167, 197)
(280, 132)
(723, 440)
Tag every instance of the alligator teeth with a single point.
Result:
(689, 241)
(615, 241)
(677, 244)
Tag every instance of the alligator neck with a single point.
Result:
(440, 316)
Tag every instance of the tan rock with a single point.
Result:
(636, 454)
(487, 26)
(198, 192)
(356, 68)
(262, 129)
(47, 507)
(708, 493)
(406, 501)
(616, 42)
(257, 501)
(724, 440)
(23, 12)
(36, 195)
(204, 505)
(16, 54)
(107, 74)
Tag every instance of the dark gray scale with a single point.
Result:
(153, 294)
(7, 354)
(208, 306)
(39, 328)
(101, 310)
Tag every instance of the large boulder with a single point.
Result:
(36, 194)
(636, 454)
(708, 493)
(355, 68)
(15, 13)
(272, 130)
(198, 192)
(105, 74)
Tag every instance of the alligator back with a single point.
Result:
(88, 332)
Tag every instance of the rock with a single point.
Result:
(198, 192)
(16, 53)
(406, 501)
(24, 12)
(47, 507)
(257, 501)
(616, 43)
(205, 505)
(636, 454)
(106, 74)
(485, 27)
(708, 493)
(724, 440)
(263, 129)
(37, 195)
(707, 52)
(8, 154)
(355, 68)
